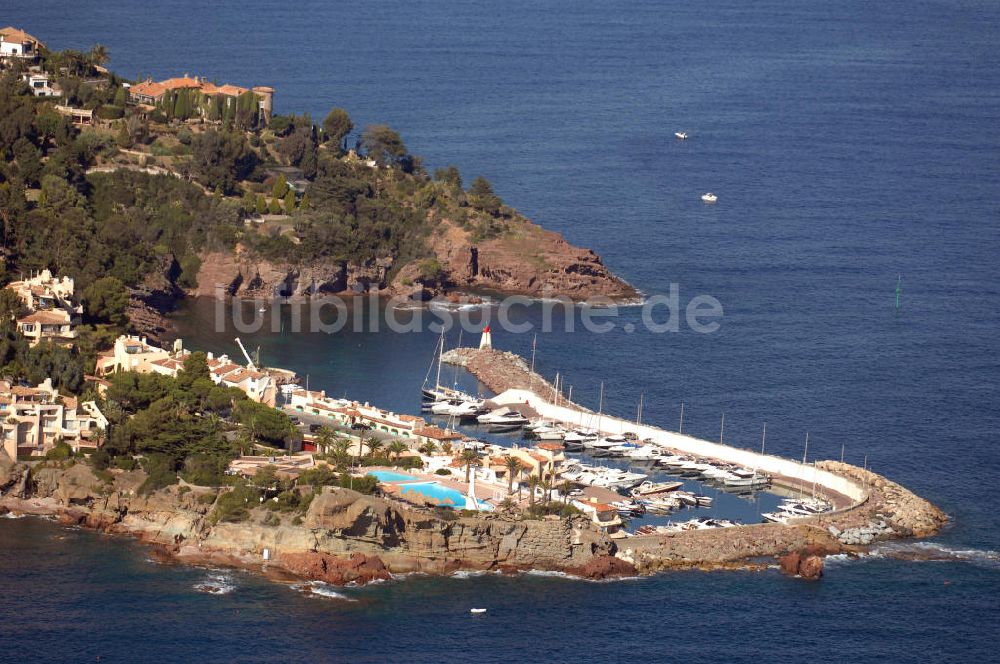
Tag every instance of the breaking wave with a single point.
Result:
(921, 552)
(320, 589)
(216, 583)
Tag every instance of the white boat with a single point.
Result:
(655, 488)
(687, 498)
(709, 197)
(477, 611)
(504, 416)
(646, 453)
(682, 135)
(535, 425)
(580, 436)
(457, 408)
(550, 433)
(744, 477)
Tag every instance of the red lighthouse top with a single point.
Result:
(486, 330)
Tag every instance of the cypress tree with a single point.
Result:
(289, 201)
(261, 204)
(274, 207)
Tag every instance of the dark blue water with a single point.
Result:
(849, 143)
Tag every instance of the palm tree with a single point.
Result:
(374, 445)
(98, 55)
(547, 488)
(533, 482)
(341, 453)
(396, 448)
(513, 465)
(324, 439)
(469, 456)
(565, 487)
(447, 448)
(428, 448)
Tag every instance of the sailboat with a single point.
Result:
(441, 392)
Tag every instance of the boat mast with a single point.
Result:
(680, 429)
(437, 382)
(638, 412)
(722, 426)
(806, 452)
(600, 408)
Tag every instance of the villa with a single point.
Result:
(49, 309)
(206, 98)
(132, 353)
(18, 44)
(35, 419)
(605, 517)
(41, 85)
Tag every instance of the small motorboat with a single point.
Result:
(682, 135)
(476, 612)
(709, 197)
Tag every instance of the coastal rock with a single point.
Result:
(243, 273)
(527, 260)
(356, 568)
(604, 567)
(805, 564)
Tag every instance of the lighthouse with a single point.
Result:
(487, 340)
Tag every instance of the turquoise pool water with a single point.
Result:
(390, 476)
(435, 491)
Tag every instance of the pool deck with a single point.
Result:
(483, 491)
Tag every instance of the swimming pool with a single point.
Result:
(440, 494)
(390, 476)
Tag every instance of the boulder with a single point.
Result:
(604, 567)
(337, 570)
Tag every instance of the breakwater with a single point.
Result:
(867, 507)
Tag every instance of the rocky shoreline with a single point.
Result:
(346, 537)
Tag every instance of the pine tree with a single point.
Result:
(280, 187)
(289, 202)
(261, 204)
(304, 203)
(249, 202)
(274, 207)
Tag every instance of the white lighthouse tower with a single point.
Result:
(487, 339)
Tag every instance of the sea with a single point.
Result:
(853, 251)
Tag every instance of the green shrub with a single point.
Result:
(110, 112)
(160, 473)
(319, 476)
(365, 485)
(60, 452)
(125, 463)
(442, 471)
(234, 506)
(206, 498)
(99, 460)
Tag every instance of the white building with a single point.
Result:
(137, 354)
(34, 419)
(41, 85)
(49, 312)
(15, 43)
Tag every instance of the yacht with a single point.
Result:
(655, 488)
(709, 197)
(458, 408)
(503, 416)
(744, 477)
(682, 135)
